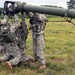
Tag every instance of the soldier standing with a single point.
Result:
(37, 24)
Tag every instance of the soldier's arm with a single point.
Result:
(15, 24)
(30, 14)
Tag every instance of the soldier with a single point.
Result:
(13, 55)
(22, 33)
(37, 24)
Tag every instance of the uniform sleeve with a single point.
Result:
(40, 17)
(30, 14)
(15, 24)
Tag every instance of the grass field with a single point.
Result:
(59, 51)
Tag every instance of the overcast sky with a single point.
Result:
(62, 3)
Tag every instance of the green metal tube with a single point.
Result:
(47, 10)
(22, 7)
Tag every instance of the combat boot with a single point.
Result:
(31, 59)
(8, 64)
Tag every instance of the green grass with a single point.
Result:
(59, 51)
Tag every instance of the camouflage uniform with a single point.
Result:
(3, 26)
(38, 22)
(13, 54)
(22, 33)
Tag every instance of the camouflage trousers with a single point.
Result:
(15, 55)
(38, 45)
(24, 57)
(12, 55)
